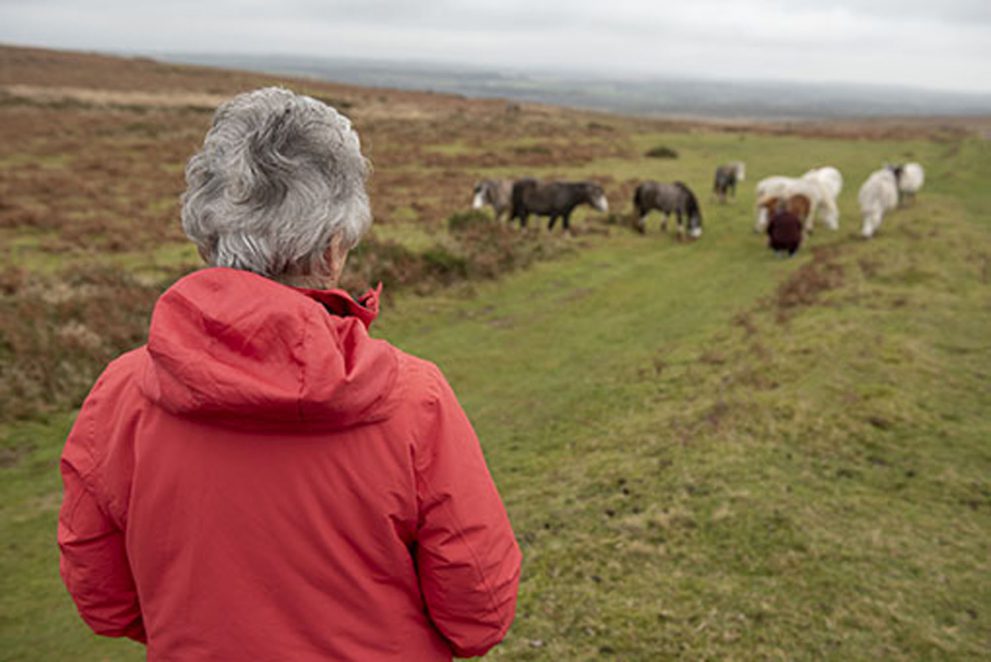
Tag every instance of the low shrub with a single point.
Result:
(543, 150)
(58, 332)
(464, 220)
(381, 261)
(661, 152)
(441, 264)
(492, 249)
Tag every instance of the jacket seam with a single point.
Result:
(94, 480)
(91, 491)
(459, 528)
(90, 479)
(476, 564)
(89, 423)
(197, 396)
(298, 358)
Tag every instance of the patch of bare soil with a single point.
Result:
(807, 284)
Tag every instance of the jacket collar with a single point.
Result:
(338, 302)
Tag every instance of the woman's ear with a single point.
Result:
(336, 257)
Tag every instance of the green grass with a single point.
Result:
(696, 468)
(46, 162)
(37, 619)
(450, 149)
(26, 251)
(416, 237)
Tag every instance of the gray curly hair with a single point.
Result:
(278, 177)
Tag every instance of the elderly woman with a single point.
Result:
(263, 480)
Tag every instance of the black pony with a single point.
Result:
(668, 198)
(554, 199)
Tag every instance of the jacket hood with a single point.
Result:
(229, 344)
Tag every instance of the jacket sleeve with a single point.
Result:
(93, 560)
(467, 556)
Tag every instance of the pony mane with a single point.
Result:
(693, 203)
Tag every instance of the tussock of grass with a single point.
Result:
(661, 152)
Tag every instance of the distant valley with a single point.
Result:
(750, 100)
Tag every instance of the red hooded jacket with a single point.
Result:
(264, 481)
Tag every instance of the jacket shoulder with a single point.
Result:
(107, 402)
(422, 381)
(423, 395)
(118, 380)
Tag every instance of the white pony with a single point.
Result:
(878, 195)
(829, 177)
(818, 189)
(910, 178)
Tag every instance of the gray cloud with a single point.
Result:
(957, 11)
(943, 45)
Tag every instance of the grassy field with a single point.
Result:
(707, 452)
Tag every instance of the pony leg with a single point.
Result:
(566, 221)
(550, 224)
(664, 223)
(641, 224)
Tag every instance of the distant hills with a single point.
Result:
(752, 100)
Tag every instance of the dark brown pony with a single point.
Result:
(799, 205)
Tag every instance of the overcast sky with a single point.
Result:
(941, 44)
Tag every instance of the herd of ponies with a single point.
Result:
(811, 198)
